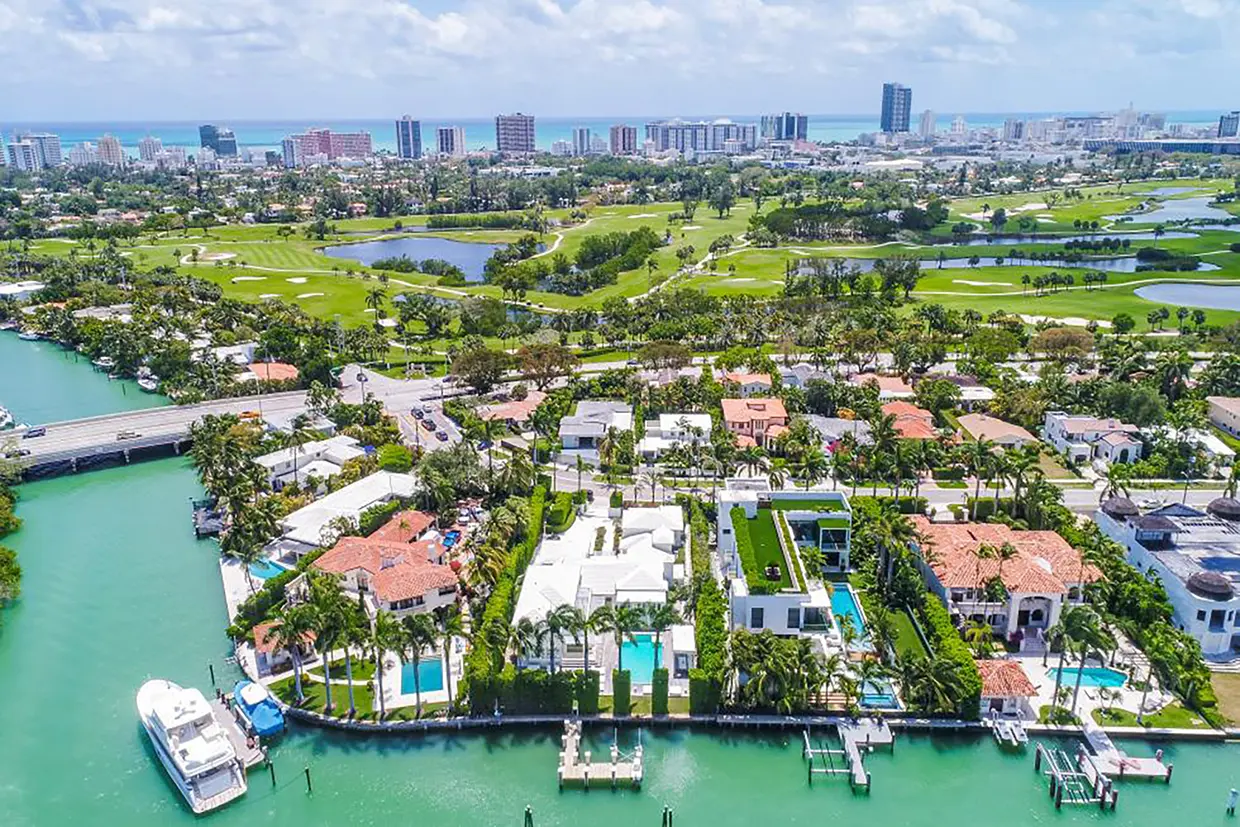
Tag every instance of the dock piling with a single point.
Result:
(272, 769)
(309, 787)
(211, 669)
(529, 816)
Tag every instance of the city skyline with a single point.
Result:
(470, 60)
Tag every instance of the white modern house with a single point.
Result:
(1087, 438)
(1021, 596)
(673, 429)
(776, 525)
(310, 527)
(585, 428)
(1195, 554)
(20, 290)
(322, 459)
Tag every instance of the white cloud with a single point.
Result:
(133, 59)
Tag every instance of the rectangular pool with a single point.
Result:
(266, 569)
(429, 672)
(1092, 676)
(844, 607)
(639, 658)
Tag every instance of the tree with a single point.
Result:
(544, 363)
(385, 635)
(624, 620)
(352, 634)
(660, 618)
(558, 621)
(979, 454)
(10, 575)
(330, 613)
(480, 367)
(1123, 324)
(296, 624)
(450, 627)
(418, 634)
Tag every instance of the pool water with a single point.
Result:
(451, 538)
(1092, 676)
(844, 607)
(429, 672)
(878, 695)
(639, 657)
(266, 569)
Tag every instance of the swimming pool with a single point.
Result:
(639, 659)
(878, 695)
(266, 569)
(844, 607)
(451, 538)
(1092, 676)
(429, 672)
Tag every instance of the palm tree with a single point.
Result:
(1074, 625)
(978, 455)
(650, 479)
(375, 297)
(526, 641)
(418, 635)
(385, 634)
(753, 459)
(891, 533)
(777, 473)
(1115, 481)
(297, 622)
(352, 634)
(450, 627)
(660, 618)
(811, 467)
(558, 621)
(301, 435)
(330, 611)
(978, 634)
(625, 619)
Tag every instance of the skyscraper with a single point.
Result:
(408, 138)
(46, 147)
(623, 139)
(1229, 125)
(110, 151)
(219, 139)
(450, 140)
(149, 148)
(897, 107)
(959, 127)
(927, 126)
(514, 133)
(1013, 130)
(787, 126)
(24, 155)
(581, 140)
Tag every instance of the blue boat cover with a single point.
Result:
(265, 716)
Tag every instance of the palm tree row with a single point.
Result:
(530, 639)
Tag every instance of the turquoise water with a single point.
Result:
(117, 590)
(429, 672)
(265, 569)
(844, 607)
(1092, 676)
(639, 658)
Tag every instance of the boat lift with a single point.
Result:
(856, 740)
(1075, 782)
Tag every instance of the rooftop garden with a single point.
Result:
(757, 542)
(833, 504)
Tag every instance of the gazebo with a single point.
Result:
(1006, 689)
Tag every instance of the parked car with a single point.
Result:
(428, 407)
(127, 435)
(428, 424)
(441, 436)
(248, 415)
(31, 433)
(417, 413)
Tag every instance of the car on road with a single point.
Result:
(247, 415)
(122, 435)
(31, 433)
(428, 407)
(428, 424)
(16, 453)
(417, 413)
(442, 436)
(632, 363)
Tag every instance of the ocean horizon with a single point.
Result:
(480, 132)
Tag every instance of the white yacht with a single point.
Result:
(150, 384)
(191, 744)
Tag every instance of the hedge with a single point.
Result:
(658, 702)
(704, 693)
(699, 538)
(587, 692)
(954, 472)
(561, 514)
(710, 638)
(617, 499)
(948, 644)
(257, 607)
(621, 692)
(744, 550)
(377, 516)
(986, 507)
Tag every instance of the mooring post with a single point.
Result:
(211, 669)
(529, 816)
(1170, 767)
(309, 788)
(272, 768)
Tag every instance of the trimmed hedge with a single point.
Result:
(622, 692)
(699, 538)
(986, 507)
(617, 499)
(710, 638)
(704, 693)
(561, 514)
(948, 644)
(953, 473)
(658, 701)
(377, 516)
(587, 692)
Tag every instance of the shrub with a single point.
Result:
(561, 514)
(587, 692)
(395, 458)
(617, 499)
(377, 516)
(948, 644)
(621, 684)
(658, 699)
(954, 472)
(703, 693)
(258, 607)
(579, 497)
(986, 507)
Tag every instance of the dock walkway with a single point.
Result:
(249, 752)
(579, 771)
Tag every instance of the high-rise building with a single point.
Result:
(83, 154)
(700, 136)
(46, 147)
(110, 151)
(561, 148)
(408, 138)
(897, 107)
(1229, 125)
(959, 127)
(787, 126)
(623, 139)
(219, 139)
(514, 133)
(315, 145)
(24, 155)
(450, 140)
(1013, 130)
(927, 126)
(581, 140)
(149, 148)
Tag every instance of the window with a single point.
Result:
(727, 531)
(794, 618)
(757, 618)
(1201, 615)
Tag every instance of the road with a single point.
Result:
(400, 397)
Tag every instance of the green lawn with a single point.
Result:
(363, 670)
(1174, 716)
(766, 550)
(642, 705)
(907, 639)
(316, 696)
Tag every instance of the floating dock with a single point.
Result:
(1114, 761)
(857, 738)
(1008, 732)
(577, 770)
(249, 751)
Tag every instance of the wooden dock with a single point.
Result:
(1074, 782)
(249, 751)
(857, 738)
(1114, 761)
(577, 770)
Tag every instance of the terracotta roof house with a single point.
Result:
(751, 384)
(404, 527)
(753, 418)
(1006, 689)
(982, 427)
(395, 576)
(516, 411)
(1042, 575)
(889, 387)
(270, 372)
(270, 657)
(912, 422)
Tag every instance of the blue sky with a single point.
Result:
(262, 59)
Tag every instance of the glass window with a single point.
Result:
(1201, 615)
(757, 618)
(794, 618)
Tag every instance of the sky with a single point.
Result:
(129, 60)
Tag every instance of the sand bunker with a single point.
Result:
(216, 256)
(236, 279)
(1032, 206)
(1070, 321)
(269, 296)
(982, 283)
(298, 280)
(691, 227)
(645, 215)
(309, 295)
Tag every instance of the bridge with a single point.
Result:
(80, 444)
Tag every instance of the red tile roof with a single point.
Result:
(748, 378)
(759, 408)
(891, 384)
(398, 571)
(265, 641)
(1044, 563)
(912, 422)
(404, 527)
(517, 410)
(1004, 679)
(273, 371)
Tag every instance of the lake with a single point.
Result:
(1211, 296)
(1111, 265)
(1184, 209)
(1018, 240)
(468, 255)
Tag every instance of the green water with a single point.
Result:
(117, 589)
